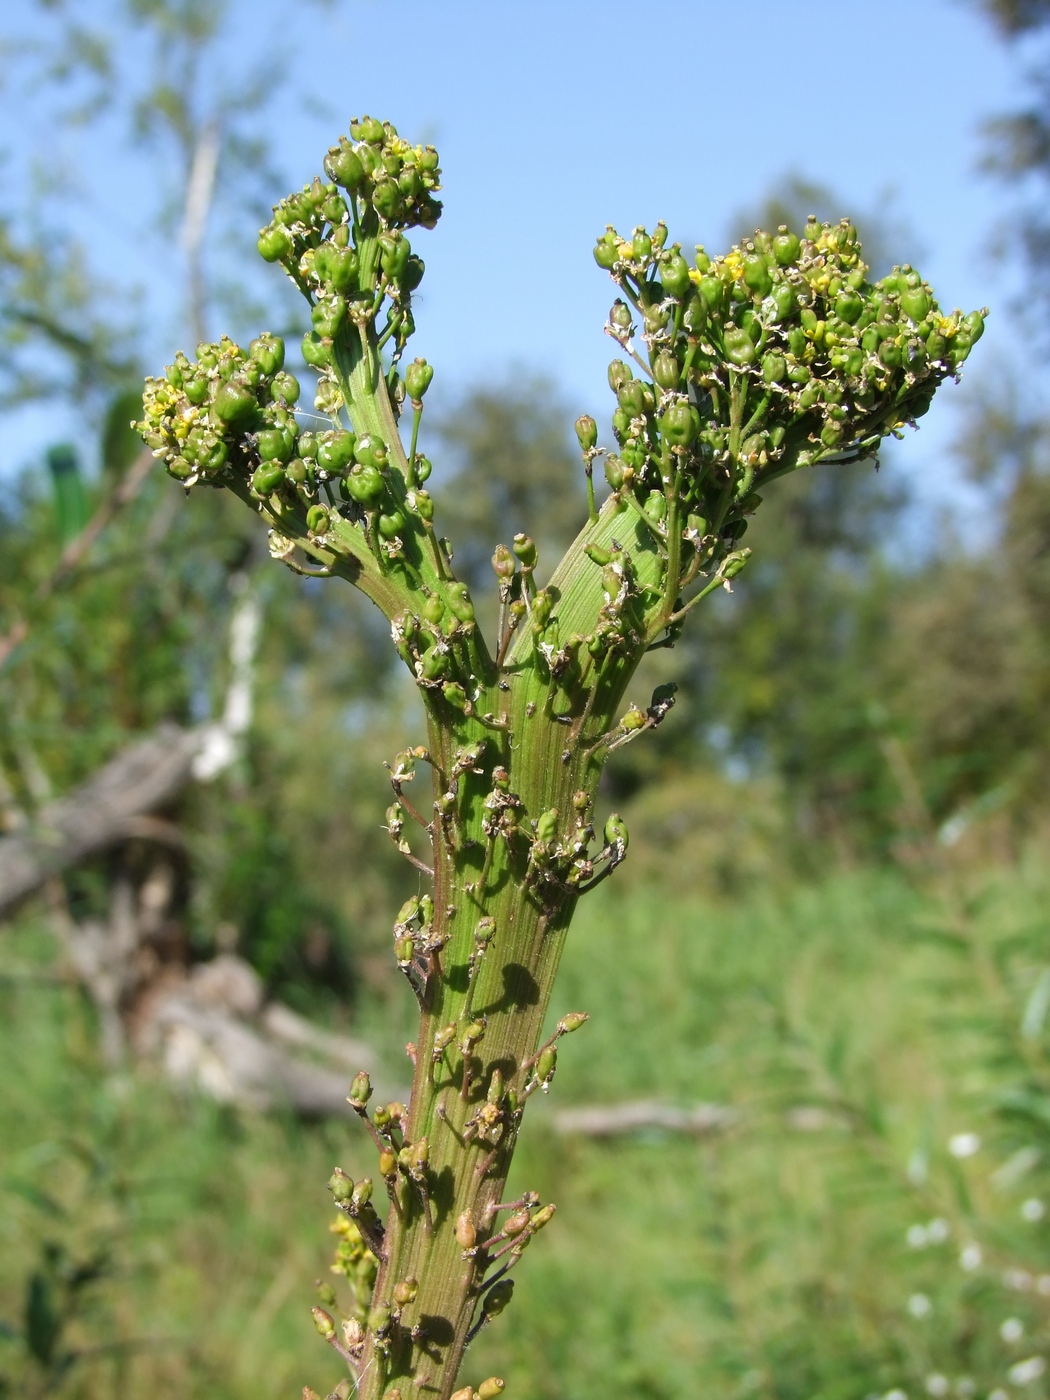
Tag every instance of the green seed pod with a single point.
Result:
(386, 200)
(713, 291)
(619, 373)
(739, 347)
(285, 389)
(606, 251)
(459, 602)
(296, 471)
(542, 607)
(675, 276)
(275, 243)
(343, 166)
(973, 325)
(433, 610)
(387, 1164)
(598, 554)
(614, 472)
(680, 425)
(525, 549)
(234, 404)
(417, 379)
(423, 503)
(466, 1234)
(197, 389)
(666, 370)
(786, 247)
(318, 520)
(336, 450)
(495, 1089)
(405, 1292)
(328, 316)
(915, 300)
(212, 454)
(492, 1388)
(572, 1022)
(547, 825)
(268, 353)
(546, 1064)
(315, 352)
(543, 1216)
(616, 830)
(362, 1193)
(497, 1298)
(343, 267)
(634, 719)
(275, 445)
(586, 432)
(390, 526)
(455, 695)
(631, 397)
(848, 306)
(434, 664)
(267, 478)
(370, 451)
(641, 246)
(404, 951)
(785, 300)
(655, 507)
(620, 316)
(334, 209)
(698, 525)
(323, 1322)
(774, 368)
(890, 354)
(179, 468)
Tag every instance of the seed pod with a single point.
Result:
(491, 1388)
(459, 603)
(417, 379)
(586, 432)
(318, 520)
(315, 352)
(674, 276)
(465, 1393)
(341, 1186)
(542, 607)
(547, 825)
(774, 368)
(466, 1234)
(379, 1317)
(365, 484)
(598, 554)
(606, 251)
(739, 347)
(234, 404)
(324, 1323)
(680, 425)
(404, 951)
(655, 507)
(614, 472)
(525, 549)
(616, 830)
(268, 353)
(455, 695)
(473, 1033)
(631, 397)
(405, 1292)
(387, 1164)
(390, 526)
(360, 1089)
(275, 445)
(274, 243)
(497, 1298)
(328, 316)
(666, 370)
(362, 1193)
(757, 276)
(619, 373)
(267, 478)
(547, 1064)
(434, 664)
(641, 246)
(542, 1217)
(495, 1089)
(572, 1022)
(515, 1223)
(343, 166)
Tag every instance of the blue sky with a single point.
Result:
(555, 118)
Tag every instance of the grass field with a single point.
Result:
(871, 1220)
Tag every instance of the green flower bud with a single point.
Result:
(234, 404)
(362, 1193)
(365, 484)
(675, 276)
(848, 306)
(572, 1021)
(598, 554)
(336, 449)
(586, 432)
(619, 373)
(268, 353)
(267, 478)
(341, 1186)
(455, 695)
(546, 1064)
(680, 424)
(525, 549)
(360, 1089)
(491, 1388)
(757, 276)
(318, 520)
(547, 825)
(417, 379)
(713, 291)
(323, 1322)
(343, 166)
(179, 468)
(616, 830)
(274, 243)
(197, 389)
(390, 526)
(334, 209)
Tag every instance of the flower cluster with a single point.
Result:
(777, 355)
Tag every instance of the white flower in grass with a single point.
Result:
(938, 1230)
(1012, 1330)
(1027, 1371)
(917, 1236)
(964, 1144)
(970, 1257)
(998, 1394)
(937, 1385)
(965, 1386)
(919, 1305)
(1032, 1210)
(1020, 1280)
(895, 1395)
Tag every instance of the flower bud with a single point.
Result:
(618, 374)
(324, 1323)
(616, 830)
(572, 1021)
(675, 276)
(318, 520)
(360, 1089)
(465, 1393)
(547, 1063)
(417, 379)
(387, 1164)
(598, 554)
(275, 243)
(362, 1193)
(542, 1217)
(379, 1317)
(515, 1223)
(268, 353)
(503, 563)
(404, 951)
(267, 478)
(455, 695)
(405, 1292)
(491, 1389)
(587, 432)
(341, 1186)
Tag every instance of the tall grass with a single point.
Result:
(857, 1027)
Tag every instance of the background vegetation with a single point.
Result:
(832, 924)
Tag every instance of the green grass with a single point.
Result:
(855, 1026)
